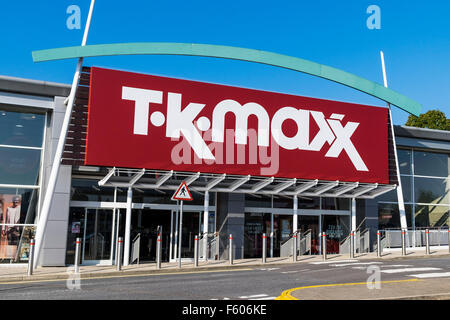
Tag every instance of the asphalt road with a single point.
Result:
(254, 284)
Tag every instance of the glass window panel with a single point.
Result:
(431, 164)
(89, 190)
(391, 196)
(389, 217)
(258, 201)
(279, 202)
(18, 206)
(404, 161)
(19, 166)
(21, 129)
(15, 244)
(431, 190)
(431, 216)
(308, 202)
(335, 204)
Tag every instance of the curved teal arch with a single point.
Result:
(235, 53)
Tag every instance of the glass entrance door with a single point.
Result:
(98, 234)
(282, 231)
(192, 224)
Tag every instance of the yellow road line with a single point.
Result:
(122, 276)
(286, 295)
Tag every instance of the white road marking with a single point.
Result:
(254, 296)
(409, 270)
(431, 275)
(291, 271)
(267, 298)
(268, 269)
(398, 265)
(354, 264)
(327, 262)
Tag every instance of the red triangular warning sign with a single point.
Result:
(182, 193)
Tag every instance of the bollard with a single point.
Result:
(427, 241)
(77, 255)
(158, 251)
(294, 247)
(230, 249)
(119, 253)
(196, 251)
(403, 243)
(31, 258)
(324, 246)
(264, 240)
(352, 244)
(378, 244)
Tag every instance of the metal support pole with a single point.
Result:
(294, 247)
(427, 241)
(264, 248)
(51, 185)
(158, 249)
(30, 258)
(324, 246)
(403, 242)
(196, 251)
(119, 253)
(230, 249)
(352, 244)
(379, 244)
(180, 234)
(77, 255)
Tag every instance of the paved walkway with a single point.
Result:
(13, 273)
(412, 289)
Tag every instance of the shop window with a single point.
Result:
(391, 196)
(308, 202)
(21, 129)
(431, 190)
(15, 243)
(404, 161)
(89, 190)
(19, 166)
(257, 201)
(336, 204)
(431, 164)
(279, 202)
(389, 216)
(431, 216)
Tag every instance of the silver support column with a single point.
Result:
(119, 253)
(379, 244)
(230, 249)
(205, 225)
(294, 246)
(324, 246)
(264, 248)
(158, 248)
(403, 242)
(427, 241)
(30, 258)
(196, 251)
(51, 185)
(126, 254)
(180, 235)
(352, 244)
(77, 255)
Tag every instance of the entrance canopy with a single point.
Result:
(201, 182)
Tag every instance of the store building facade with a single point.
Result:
(92, 202)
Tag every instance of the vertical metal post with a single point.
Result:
(264, 248)
(378, 244)
(196, 251)
(119, 253)
(427, 241)
(126, 255)
(51, 185)
(230, 249)
(324, 245)
(77, 254)
(30, 258)
(403, 243)
(180, 234)
(158, 248)
(352, 244)
(294, 247)
(205, 225)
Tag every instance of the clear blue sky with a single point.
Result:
(414, 35)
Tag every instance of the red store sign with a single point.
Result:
(152, 122)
